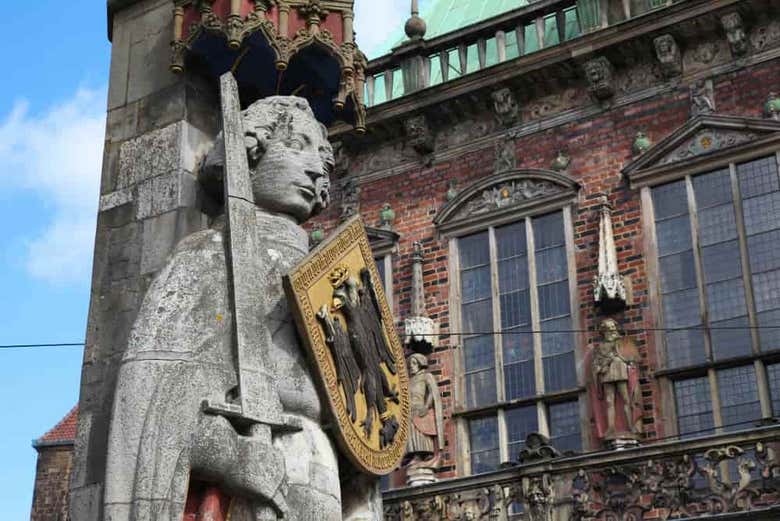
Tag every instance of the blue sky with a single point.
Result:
(52, 108)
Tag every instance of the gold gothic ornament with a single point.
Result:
(348, 330)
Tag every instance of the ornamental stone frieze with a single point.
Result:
(501, 195)
(702, 138)
(684, 486)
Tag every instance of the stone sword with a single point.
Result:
(257, 409)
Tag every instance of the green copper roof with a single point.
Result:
(446, 16)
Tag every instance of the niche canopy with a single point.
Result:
(302, 47)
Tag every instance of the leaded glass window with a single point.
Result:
(514, 281)
(718, 237)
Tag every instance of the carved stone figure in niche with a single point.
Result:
(426, 431)
(735, 33)
(167, 452)
(702, 98)
(350, 199)
(668, 54)
(505, 106)
(538, 494)
(361, 350)
(506, 155)
(419, 135)
(614, 387)
(342, 160)
(599, 73)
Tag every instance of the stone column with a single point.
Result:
(158, 127)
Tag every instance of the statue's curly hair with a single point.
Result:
(264, 120)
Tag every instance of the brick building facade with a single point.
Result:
(496, 146)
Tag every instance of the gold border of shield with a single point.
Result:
(348, 246)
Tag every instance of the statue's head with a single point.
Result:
(289, 158)
(609, 329)
(417, 362)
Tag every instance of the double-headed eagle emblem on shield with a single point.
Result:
(348, 330)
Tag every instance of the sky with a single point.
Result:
(52, 113)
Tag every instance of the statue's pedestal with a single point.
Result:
(417, 476)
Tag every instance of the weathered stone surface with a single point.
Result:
(149, 54)
(150, 155)
(180, 350)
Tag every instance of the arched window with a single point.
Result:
(513, 293)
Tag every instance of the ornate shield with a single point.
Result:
(346, 325)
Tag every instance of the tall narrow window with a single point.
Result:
(718, 236)
(518, 344)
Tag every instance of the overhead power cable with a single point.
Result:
(483, 333)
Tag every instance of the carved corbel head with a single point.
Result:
(419, 135)
(599, 73)
(735, 33)
(668, 53)
(505, 107)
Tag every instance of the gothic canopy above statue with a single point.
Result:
(301, 47)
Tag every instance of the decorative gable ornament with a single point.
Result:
(498, 198)
(704, 140)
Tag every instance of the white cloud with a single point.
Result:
(376, 20)
(58, 155)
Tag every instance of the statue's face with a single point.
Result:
(610, 330)
(595, 73)
(414, 366)
(291, 176)
(665, 46)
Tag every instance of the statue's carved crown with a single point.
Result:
(339, 275)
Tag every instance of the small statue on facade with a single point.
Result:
(426, 431)
(614, 388)
(702, 98)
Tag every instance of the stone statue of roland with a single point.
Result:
(169, 458)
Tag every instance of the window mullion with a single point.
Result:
(534, 294)
(762, 383)
(743, 253)
(497, 339)
(697, 257)
(541, 418)
(715, 397)
(503, 437)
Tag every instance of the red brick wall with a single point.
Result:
(52, 475)
(599, 147)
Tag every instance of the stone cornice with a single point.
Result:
(574, 51)
(570, 115)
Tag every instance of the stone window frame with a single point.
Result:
(452, 225)
(384, 244)
(661, 165)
